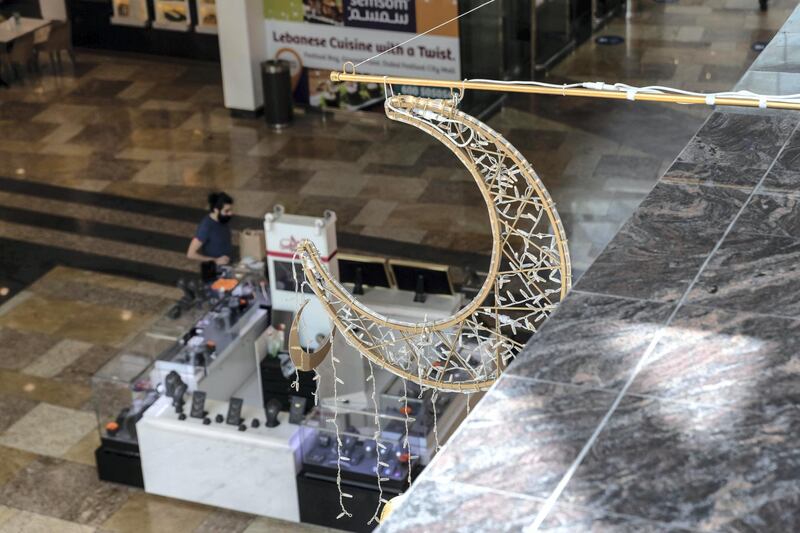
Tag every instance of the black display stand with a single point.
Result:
(119, 462)
(275, 386)
(319, 498)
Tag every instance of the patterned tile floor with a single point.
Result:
(54, 336)
(105, 168)
(155, 130)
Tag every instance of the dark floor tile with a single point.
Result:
(770, 214)
(751, 272)
(733, 149)
(784, 175)
(98, 295)
(454, 192)
(105, 137)
(173, 90)
(346, 209)
(725, 359)
(22, 111)
(651, 261)
(453, 507)
(159, 118)
(65, 490)
(522, 437)
(108, 168)
(274, 179)
(19, 348)
(18, 130)
(12, 408)
(782, 54)
(100, 88)
(627, 167)
(525, 139)
(592, 340)
(695, 467)
(81, 371)
(325, 148)
(437, 156)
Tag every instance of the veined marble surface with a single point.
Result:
(251, 471)
(664, 393)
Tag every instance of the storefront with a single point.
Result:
(182, 28)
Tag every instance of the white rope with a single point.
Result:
(631, 91)
(417, 36)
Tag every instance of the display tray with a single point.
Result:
(322, 458)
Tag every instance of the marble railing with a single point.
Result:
(664, 393)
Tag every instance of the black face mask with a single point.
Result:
(223, 219)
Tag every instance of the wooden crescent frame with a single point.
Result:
(302, 359)
(529, 271)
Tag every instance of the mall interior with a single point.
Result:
(249, 283)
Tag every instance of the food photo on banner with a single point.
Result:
(317, 36)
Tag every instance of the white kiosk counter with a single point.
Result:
(253, 471)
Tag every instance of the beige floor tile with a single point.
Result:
(39, 314)
(39, 389)
(374, 213)
(11, 462)
(6, 513)
(49, 430)
(25, 522)
(83, 451)
(143, 513)
(272, 525)
(57, 358)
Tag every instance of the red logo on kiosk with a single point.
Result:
(289, 243)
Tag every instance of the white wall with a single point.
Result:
(53, 9)
(241, 47)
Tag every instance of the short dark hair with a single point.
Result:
(217, 200)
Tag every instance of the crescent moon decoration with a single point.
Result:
(529, 271)
(302, 359)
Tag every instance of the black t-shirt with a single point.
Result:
(216, 238)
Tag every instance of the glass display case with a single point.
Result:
(420, 410)
(362, 454)
(172, 15)
(206, 16)
(131, 13)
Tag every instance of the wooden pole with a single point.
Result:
(558, 91)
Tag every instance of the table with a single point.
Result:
(10, 31)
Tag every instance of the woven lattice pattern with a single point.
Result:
(528, 275)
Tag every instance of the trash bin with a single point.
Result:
(276, 80)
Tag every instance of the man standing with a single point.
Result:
(212, 240)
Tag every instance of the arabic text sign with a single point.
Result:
(329, 47)
(393, 15)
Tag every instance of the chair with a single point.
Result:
(59, 40)
(20, 54)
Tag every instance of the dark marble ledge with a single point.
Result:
(695, 467)
(686, 453)
(524, 437)
(592, 340)
(474, 508)
(752, 273)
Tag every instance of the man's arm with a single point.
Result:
(194, 253)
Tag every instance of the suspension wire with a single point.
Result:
(417, 36)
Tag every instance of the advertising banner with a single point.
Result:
(317, 36)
